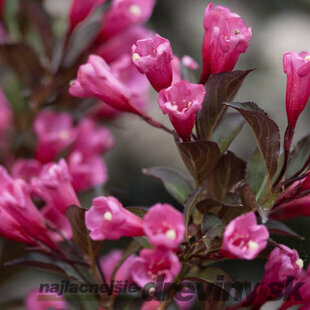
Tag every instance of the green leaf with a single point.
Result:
(227, 130)
(298, 157)
(266, 132)
(221, 87)
(76, 217)
(264, 209)
(228, 172)
(278, 228)
(200, 158)
(256, 175)
(211, 227)
(23, 60)
(190, 205)
(176, 183)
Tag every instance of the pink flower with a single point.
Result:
(164, 226)
(54, 186)
(243, 238)
(44, 301)
(59, 224)
(18, 212)
(153, 263)
(176, 70)
(125, 13)
(86, 171)
(106, 112)
(108, 219)
(109, 262)
(55, 132)
(5, 113)
(297, 68)
(189, 62)
(153, 57)
(96, 79)
(226, 37)
(80, 9)
(150, 305)
(181, 102)
(26, 169)
(121, 44)
(92, 139)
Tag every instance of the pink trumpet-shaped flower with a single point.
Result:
(92, 139)
(123, 14)
(80, 9)
(109, 262)
(164, 226)
(54, 132)
(96, 79)
(226, 37)
(44, 301)
(154, 263)
(297, 68)
(108, 219)
(243, 238)
(86, 171)
(54, 186)
(153, 57)
(19, 216)
(181, 102)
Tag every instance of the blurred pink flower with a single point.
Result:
(80, 9)
(176, 70)
(49, 301)
(108, 219)
(243, 238)
(153, 57)
(86, 171)
(96, 79)
(92, 139)
(226, 37)
(164, 226)
(153, 263)
(55, 132)
(123, 14)
(18, 211)
(181, 102)
(109, 262)
(54, 186)
(297, 68)
(26, 169)
(189, 62)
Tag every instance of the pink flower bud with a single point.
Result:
(108, 219)
(33, 302)
(54, 186)
(80, 9)
(55, 132)
(164, 226)
(297, 68)
(243, 238)
(26, 169)
(125, 13)
(96, 79)
(189, 62)
(58, 222)
(86, 171)
(181, 102)
(18, 211)
(153, 57)
(109, 262)
(154, 263)
(92, 139)
(226, 37)
(5, 113)
(121, 44)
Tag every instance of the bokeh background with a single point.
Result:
(277, 25)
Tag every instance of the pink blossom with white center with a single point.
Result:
(164, 226)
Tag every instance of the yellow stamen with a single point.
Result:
(135, 10)
(171, 234)
(135, 57)
(252, 245)
(107, 216)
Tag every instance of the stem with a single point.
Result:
(288, 138)
(156, 124)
